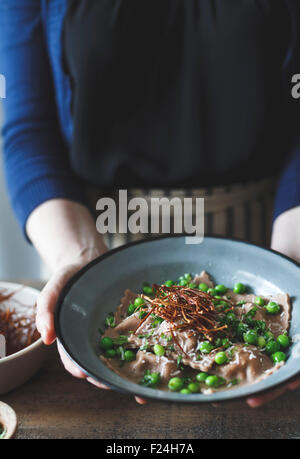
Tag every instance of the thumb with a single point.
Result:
(47, 300)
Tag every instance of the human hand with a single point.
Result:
(47, 301)
(65, 235)
(45, 314)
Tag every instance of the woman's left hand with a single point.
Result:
(268, 396)
(286, 240)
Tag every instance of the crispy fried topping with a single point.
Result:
(185, 308)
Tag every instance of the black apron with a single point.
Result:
(177, 93)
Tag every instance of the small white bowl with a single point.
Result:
(8, 420)
(18, 368)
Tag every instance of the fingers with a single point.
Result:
(74, 370)
(47, 300)
(141, 401)
(293, 385)
(255, 402)
(44, 317)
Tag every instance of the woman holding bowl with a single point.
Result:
(191, 98)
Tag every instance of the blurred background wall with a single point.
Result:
(18, 260)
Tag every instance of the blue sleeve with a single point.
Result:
(288, 190)
(35, 156)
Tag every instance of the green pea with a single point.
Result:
(192, 285)
(106, 343)
(187, 276)
(261, 342)
(154, 379)
(220, 288)
(283, 340)
(225, 342)
(212, 381)
(250, 337)
(150, 379)
(205, 347)
(185, 391)
(183, 283)
(202, 286)
(259, 301)
(239, 288)
(175, 384)
(158, 350)
(193, 387)
(212, 291)
(221, 358)
(138, 301)
(169, 283)
(131, 309)
(278, 357)
(110, 353)
(129, 356)
(201, 377)
(272, 308)
(147, 290)
(272, 347)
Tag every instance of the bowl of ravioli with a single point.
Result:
(167, 320)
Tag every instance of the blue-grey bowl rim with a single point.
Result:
(110, 253)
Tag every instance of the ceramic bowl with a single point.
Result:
(18, 368)
(8, 421)
(96, 290)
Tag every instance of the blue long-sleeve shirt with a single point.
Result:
(38, 123)
(37, 129)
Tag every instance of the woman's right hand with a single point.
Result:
(45, 313)
(46, 306)
(64, 233)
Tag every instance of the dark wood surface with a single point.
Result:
(55, 405)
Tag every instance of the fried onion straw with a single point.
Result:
(185, 308)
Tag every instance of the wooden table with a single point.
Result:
(56, 405)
